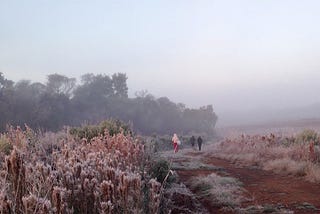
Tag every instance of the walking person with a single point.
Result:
(192, 141)
(175, 141)
(199, 143)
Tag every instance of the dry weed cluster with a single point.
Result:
(55, 173)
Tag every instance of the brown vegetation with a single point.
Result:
(297, 155)
(56, 173)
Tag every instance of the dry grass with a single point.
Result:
(281, 154)
(286, 165)
(220, 191)
(55, 173)
(313, 173)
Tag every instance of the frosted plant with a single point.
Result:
(60, 174)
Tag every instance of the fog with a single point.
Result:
(254, 61)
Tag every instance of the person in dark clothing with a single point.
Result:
(192, 141)
(199, 143)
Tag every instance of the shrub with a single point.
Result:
(307, 136)
(113, 127)
(160, 169)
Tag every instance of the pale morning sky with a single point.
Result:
(236, 55)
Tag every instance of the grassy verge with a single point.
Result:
(219, 191)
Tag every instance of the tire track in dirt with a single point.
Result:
(263, 187)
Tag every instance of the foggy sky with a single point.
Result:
(239, 56)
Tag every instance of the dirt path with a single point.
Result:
(264, 187)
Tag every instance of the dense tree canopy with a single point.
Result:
(62, 102)
(59, 84)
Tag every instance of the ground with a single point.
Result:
(273, 193)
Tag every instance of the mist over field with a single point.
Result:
(253, 61)
(159, 106)
(258, 116)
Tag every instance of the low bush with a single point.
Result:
(161, 169)
(112, 127)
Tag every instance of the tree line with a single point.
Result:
(61, 101)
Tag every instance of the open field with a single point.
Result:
(279, 127)
(119, 173)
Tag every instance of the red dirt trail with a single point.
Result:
(263, 187)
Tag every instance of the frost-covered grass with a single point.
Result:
(295, 155)
(56, 173)
(219, 191)
(186, 159)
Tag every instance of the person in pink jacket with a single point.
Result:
(175, 141)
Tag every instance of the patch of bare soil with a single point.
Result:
(263, 187)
